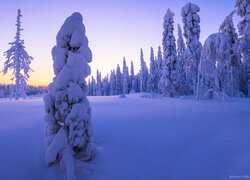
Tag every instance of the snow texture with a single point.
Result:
(144, 139)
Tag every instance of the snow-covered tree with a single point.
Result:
(119, 85)
(227, 27)
(181, 65)
(105, 86)
(143, 74)
(98, 83)
(243, 10)
(131, 76)
(112, 83)
(180, 42)
(152, 79)
(169, 82)
(93, 85)
(159, 67)
(68, 134)
(191, 21)
(215, 72)
(19, 60)
(125, 77)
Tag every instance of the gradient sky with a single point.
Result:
(115, 28)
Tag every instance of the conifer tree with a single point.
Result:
(169, 75)
(159, 68)
(243, 10)
(152, 80)
(68, 114)
(215, 77)
(143, 74)
(119, 85)
(112, 83)
(191, 21)
(98, 83)
(131, 76)
(227, 27)
(19, 60)
(181, 65)
(125, 77)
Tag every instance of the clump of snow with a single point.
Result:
(151, 95)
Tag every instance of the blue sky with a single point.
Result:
(114, 28)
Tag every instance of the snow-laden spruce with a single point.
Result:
(243, 10)
(143, 74)
(227, 27)
(131, 77)
(181, 65)
(98, 83)
(215, 71)
(125, 77)
(112, 80)
(105, 86)
(159, 68)
(152, 85)
(168, 81)
(19, 60)
(119, 85)
(69, 130)
(191, 21)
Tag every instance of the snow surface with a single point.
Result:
(136, 138)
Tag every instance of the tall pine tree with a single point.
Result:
(191, 21)
(169, 80)
(143, 74)
(243, 10)
(18, 60)
(152, 79)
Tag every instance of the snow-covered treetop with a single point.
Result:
(159, 54)
(141, 57)
(143, 63)
(168, 41)
(71, 38)
(124, 65)
(17, 57)
(169, 15)
(243, 9)
(132, 73)
(180, 42)
(18, 25)
(228, 28)
(217, 49)
(191, 21)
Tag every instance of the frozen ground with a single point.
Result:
(137, 139)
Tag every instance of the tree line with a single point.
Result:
(219, 68)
